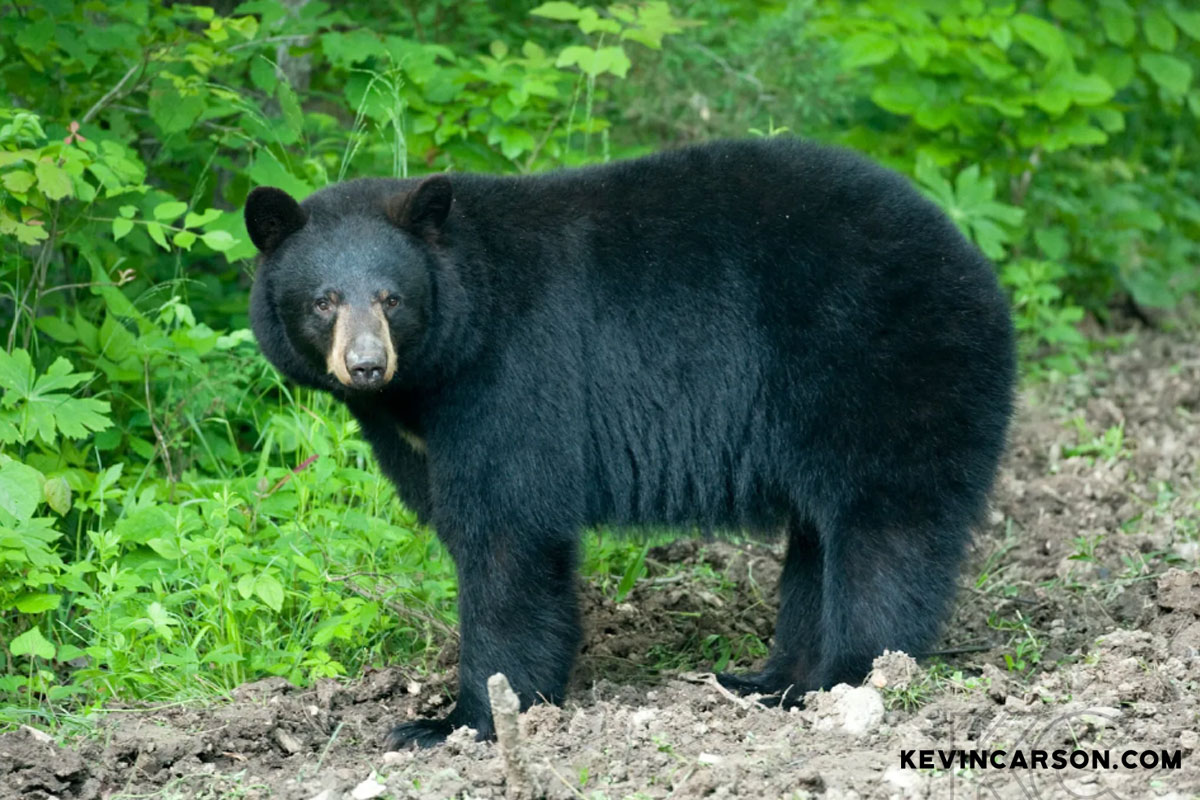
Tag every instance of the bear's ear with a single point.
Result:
(425, 208)
(272, 215)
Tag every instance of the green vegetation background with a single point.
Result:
(174, 519)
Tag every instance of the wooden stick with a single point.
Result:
(506, 708)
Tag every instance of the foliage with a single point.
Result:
(174, 518)
(1075, 141)
(171, 514)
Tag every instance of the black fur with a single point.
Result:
(761, 336)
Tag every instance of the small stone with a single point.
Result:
(1189, 739)
(325, 794)
(709, 758)
(1188, 551)
(894, 668)
(861, 710)
(38, 736)
(288, 742)
(901, 779)
(413, 687)
(643, 716)
(393, 757)
(368, 790)
(1100, 716)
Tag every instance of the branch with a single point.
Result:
(113, 92)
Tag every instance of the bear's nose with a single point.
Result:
(365, 362)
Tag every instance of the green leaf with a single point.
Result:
(37, 603)
(513, 141)
(194, 220)
(173, 112)
(121, 228)
(184, 240)
(1188, 21)
(1159, 30)
(612, 60)
(165, 547)
(164, 212)
(218, 240)
(564, 12)
(269, 590)
(592, 22)
(145, 524)
(31, 642)
(1041, 36)
(864, 49)
(18, 182)
(156, 233)
(580, 56)
(632, 573)
(289, 104)
(1088, 90)
(1053, 242)
(1173, 74)
(1119, 23)
(128, 211)
(53, 180)
(58, 495)
(57, 329)
(20, 490)
(898, 98)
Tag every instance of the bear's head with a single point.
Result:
(342, 297)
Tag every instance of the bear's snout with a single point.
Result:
(361, 354)
(366, 361)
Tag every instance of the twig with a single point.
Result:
(729, 68)
(564, 781)
(506, 708)
(123, 277)
(537, 148)
(710, 679)
(113, 92)
(299, 38)
(1021, 187)
(954, 651)
(37, 279)
(158, 435)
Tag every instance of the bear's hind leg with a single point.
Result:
(795, 653)
(886, 586)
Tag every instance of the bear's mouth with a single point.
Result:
(361, 354)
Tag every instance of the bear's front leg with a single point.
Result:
(518, 614)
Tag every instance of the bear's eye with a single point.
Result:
(392, 301)
(322, 305)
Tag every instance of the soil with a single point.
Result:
(1077, 626)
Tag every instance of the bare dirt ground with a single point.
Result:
(1077, 626)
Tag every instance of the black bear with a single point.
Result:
(758, 336)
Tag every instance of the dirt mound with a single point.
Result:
(1077, 628)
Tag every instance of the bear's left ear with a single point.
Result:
(425, 208)
(272, 215)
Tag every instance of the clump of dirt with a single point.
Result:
(1077, 629)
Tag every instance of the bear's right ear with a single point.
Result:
(272, 215)
(425, 208)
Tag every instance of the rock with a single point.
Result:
(38, 736)
(1179, 590)
(368, 790)
(850, 710)
(290, 744)
(895, 669)
(904, 780)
